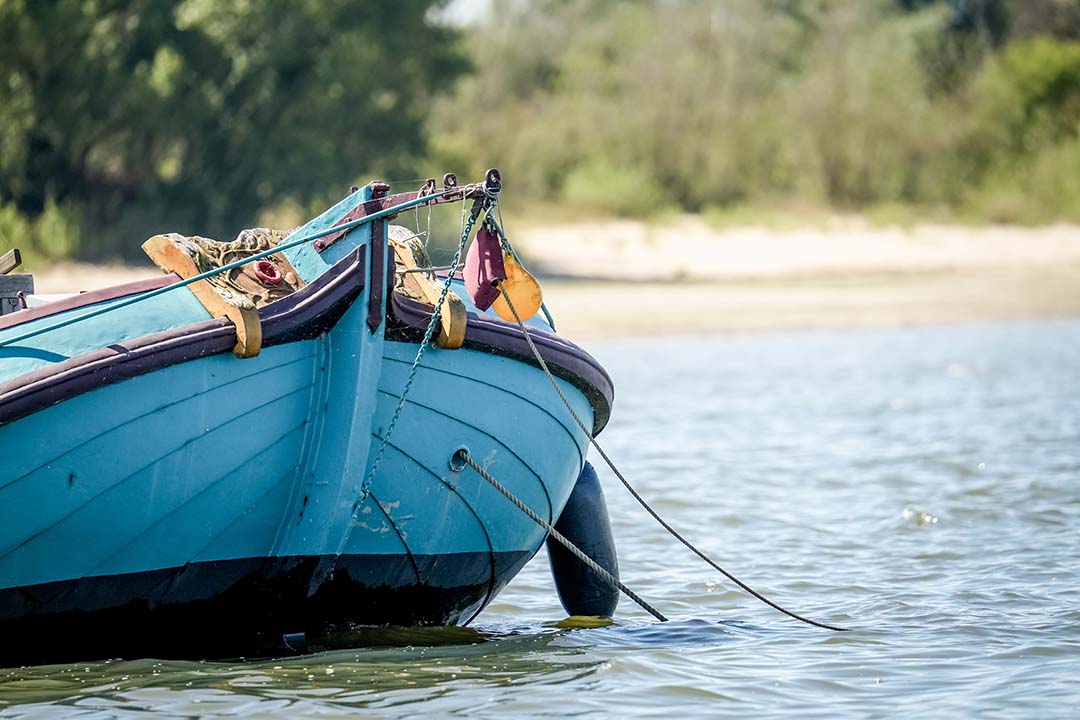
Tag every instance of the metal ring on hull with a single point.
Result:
(539, 480)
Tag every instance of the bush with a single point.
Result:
(54, 234)
(626, 107)
(1026, 98)
(629, 192)
(1032, 190)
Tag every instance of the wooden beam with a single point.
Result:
(166, 255)
(453, 318)
(9, 261)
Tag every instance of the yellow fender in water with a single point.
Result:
(581, 622)
(522, 288)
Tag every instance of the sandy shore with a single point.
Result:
(590, 309)
(687, 248)
(631, 278)
(623, 278)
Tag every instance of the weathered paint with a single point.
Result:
(217, 462)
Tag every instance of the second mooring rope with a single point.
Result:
(464, 457)
(641, 500)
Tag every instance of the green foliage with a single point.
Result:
(863, 104)
(1032, 91)
(1034, 189)
(620, 191)
(121, 118)
(54, 234)
(193, 114)
(1021, 145)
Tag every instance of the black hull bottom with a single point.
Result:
(233, 608)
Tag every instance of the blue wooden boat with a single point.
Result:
(165, 491)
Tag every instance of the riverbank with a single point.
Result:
(627, 278)
(619, 278)
(591, 309)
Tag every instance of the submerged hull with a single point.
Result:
(162, 497)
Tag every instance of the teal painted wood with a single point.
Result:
(310, 263)
(221, 459)
(165, 312)
(206, 473)
(499, 409)
(218, 455)
(77, 503)
(46, 436)
(336, 455)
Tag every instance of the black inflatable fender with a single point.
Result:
(584, 522)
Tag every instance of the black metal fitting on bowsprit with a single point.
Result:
(493, 182)
(449, 181)
(490, 195)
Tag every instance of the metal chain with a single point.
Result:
(365, 488)
(463, 456)
(490, 200)
(641, 500)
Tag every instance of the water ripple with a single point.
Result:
(915, 484)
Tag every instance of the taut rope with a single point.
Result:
(630, 488)
(463, 456)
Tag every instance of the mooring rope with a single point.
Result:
(630, 488)
(463, 456)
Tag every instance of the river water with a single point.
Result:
(920, 485)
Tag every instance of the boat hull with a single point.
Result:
(160, 496)
(239, 607)
(207, 564)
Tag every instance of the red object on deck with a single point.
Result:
(483, 268)
(268, 272)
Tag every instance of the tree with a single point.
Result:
(193, 114)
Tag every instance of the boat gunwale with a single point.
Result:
(305, 314)
(407, 318)
(84, 299)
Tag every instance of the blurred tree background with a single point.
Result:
(121, 118)
(971, 106)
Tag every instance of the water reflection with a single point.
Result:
(917, 484)
(396, 667)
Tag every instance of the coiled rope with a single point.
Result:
(636, 495)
